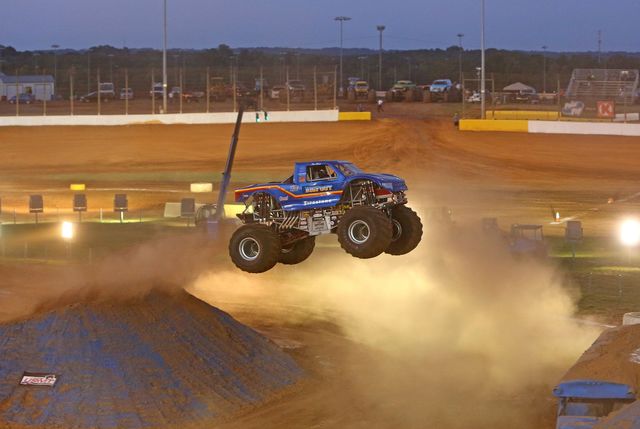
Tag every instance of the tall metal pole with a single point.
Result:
(483, 88)
(164, 61)
(460, 36)
(380, 29)
(55, 67)
(544, 69)
(341, 19)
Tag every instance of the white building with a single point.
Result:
(41, 86)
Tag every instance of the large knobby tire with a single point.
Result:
(254, 248)
(365, 232)
(407, 230)
(298, 251)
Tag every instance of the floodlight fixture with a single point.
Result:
(67, 231)
(629, 233)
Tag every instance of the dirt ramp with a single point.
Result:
(159, 361)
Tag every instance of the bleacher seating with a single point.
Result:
(590, 85)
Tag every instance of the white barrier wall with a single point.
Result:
(592, 128)
(169, 119)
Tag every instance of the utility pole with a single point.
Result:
(483, 95)
(341, 19)
(55, 66)
(460, 36)
(599, 46)
(362, 59)
(164, 61)
(544, 69)
(380, 28)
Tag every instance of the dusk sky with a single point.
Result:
(563, 25)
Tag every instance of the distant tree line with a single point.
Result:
(422, 66)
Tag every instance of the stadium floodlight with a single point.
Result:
(67, 231)
(341, 19)
(630, 233)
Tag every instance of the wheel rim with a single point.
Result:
(249, 249)
(359, 232)
(397, 230)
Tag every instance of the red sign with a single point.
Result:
(606, 109)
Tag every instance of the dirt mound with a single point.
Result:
(151, 362)
(614, 356)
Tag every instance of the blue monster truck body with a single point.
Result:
(366, 210)
(310, 188)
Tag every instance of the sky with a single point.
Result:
(562, 25)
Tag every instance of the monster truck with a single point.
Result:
(281, 220)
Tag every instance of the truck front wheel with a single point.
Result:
(365, 232)
(254, 248)
(298, 251)
(407, 230)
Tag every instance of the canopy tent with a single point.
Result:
(519, 87)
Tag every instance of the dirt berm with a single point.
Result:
(158, 361)
(614, 356)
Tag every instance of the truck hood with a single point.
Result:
(576, 422)
(387, 181)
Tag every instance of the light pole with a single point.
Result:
(460, 36)
(409, 66)
(380, 28)
(110, 67)
(341, 19)
(544, 69)
(164, 61)
(483, 102)
(55, 66)
(362, 58)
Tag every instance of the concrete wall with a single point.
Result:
(591, 128)
(551, 127)
(354, 116)
(538, 115)
(185, 118)
(494, 125)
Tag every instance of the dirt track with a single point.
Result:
(515, 176)
(512, 176)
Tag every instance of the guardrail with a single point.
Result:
(171, 118)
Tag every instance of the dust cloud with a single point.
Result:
(462, 335)
(164, 264)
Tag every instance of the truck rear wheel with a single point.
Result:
(407, 231)
(365, 232)
(254, 248)
(298, 251)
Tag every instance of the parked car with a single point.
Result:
(126, 94)
(23, 99)
(296, 89)
(107, 93)
(189, 96)
(474, 98)
(275, 92)
(156, 90)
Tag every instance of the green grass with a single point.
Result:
(43, 242)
